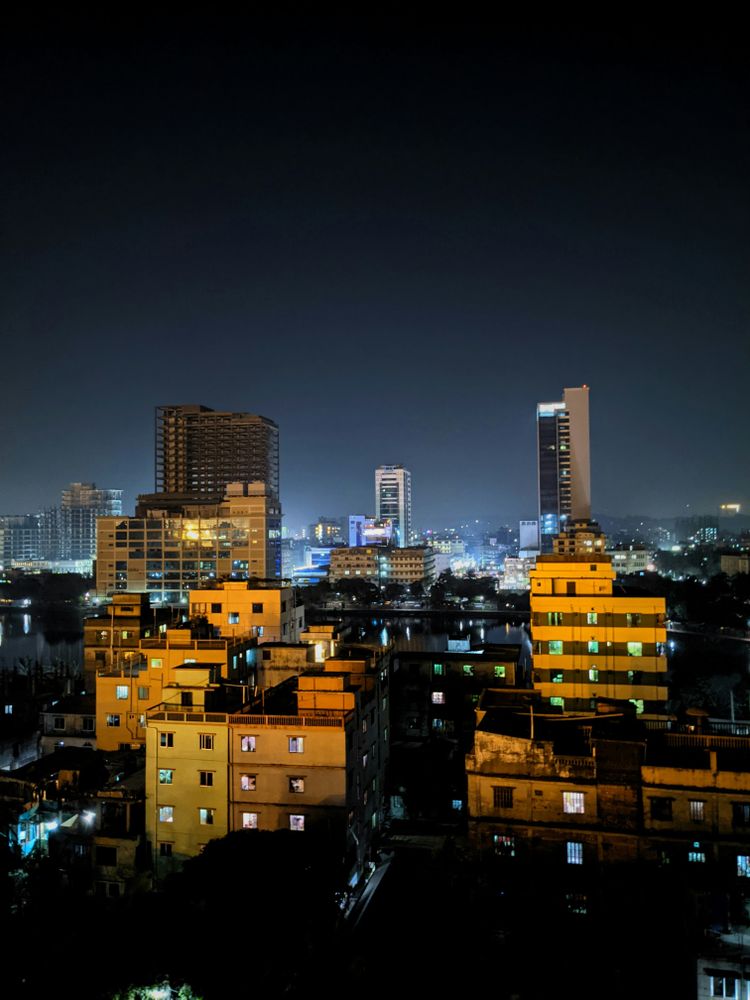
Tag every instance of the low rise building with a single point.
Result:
(383, 564)
(310, 754)
(598, 790)
(269, 613)
(69, 722)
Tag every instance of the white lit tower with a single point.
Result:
(393, 501)
(564, 463)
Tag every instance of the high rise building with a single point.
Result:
(564, 466)
(393, 500)
(167, 553)
(81, 505)
(199, 451)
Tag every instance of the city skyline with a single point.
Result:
(394, 243)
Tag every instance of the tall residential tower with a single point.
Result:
(393, 500)
(564, 466)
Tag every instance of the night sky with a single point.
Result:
(393, 239)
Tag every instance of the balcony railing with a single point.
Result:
(165, 714)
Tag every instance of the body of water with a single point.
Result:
(30, 637)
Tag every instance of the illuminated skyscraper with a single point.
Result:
(199, 451)
(564, 465)
(393, 500)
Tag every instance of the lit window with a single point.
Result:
(639, 705)
(249, 821)
(499, 670)
(557, 702)
(233, 617)
(743, 865)
(112, 720)
(166, 739)
(166, 814)
(633, 620)
(635, 649)
(9, 710)
(592, 618)
(593, 674)
(206, 741)
(574, 852)
(297, 822)
(296, 784)
(502, 797)
(557, 677)
(697, 810)
(576, 903)
(724, 986)
(593, 645)
(206, 778)
(247, 744)
(248, 782)
(296, 744)
(165, 776)
(437, 669)
(554, 617)
(206, 817)
(555, 647)
(121, 692)
(156, 662)
(573, 802)
(696, 854)
(438, 697)
(468, 670)
(504, 846)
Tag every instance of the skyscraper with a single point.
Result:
(199, 451)
(564, 465)
(393, 500)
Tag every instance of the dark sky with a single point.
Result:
(392, 239)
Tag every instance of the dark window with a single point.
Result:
(215, 609)
(661, 809)
(106, 855)
(741, 813)
(257, 609)
(502, 797)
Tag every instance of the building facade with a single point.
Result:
(231, 608)
(563, 462)
(199, 451)
(80, 507)
(393, 501)
(310, 756)
(589, 643)
(167, 554)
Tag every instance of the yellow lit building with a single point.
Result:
(309, 754)
(187, 778)
(112, 638)
(125, 691)
(590, 643)
(239, 608)
(166, 552)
